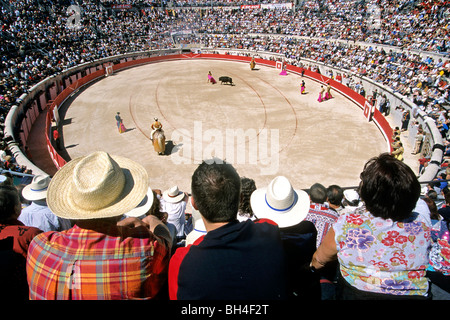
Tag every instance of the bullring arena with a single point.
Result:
(275, 130)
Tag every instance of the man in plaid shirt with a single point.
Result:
(101, 257)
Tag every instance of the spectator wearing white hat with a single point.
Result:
(288, 208)
(174, 202)
(351, 201)
(38, 214)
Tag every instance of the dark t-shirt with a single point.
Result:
(240, 260)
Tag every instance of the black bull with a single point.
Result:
(226, 80)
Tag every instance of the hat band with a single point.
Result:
(37, 190)
(174, 195)
(286, 209)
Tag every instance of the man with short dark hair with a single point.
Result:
(335, 194)
(234, 260)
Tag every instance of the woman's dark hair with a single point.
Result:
(9, 201)
(216, 189)
(389, 188)
(432, 206)
(155, 208)
(247, 187)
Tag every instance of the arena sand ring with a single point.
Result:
(281, 132)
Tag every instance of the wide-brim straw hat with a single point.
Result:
(37, 189)
(173, 195)
(95, 186)
(280, 203)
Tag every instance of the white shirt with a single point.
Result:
(176, 214)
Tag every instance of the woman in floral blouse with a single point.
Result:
(383, 246)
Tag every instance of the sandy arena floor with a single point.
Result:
(282, 132)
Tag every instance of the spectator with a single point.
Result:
(230, 261)
(351, 201)
(14, 241)
(434, 215)
(444, 211)
(418, 142)
(405, 120)
(38, 214)
(174, 203)
(382, 247)
(288, 208)
(57, 138)
(423, 163)
(59, 264)
(319, 214)
(398, 152)
(335, 195)
(323, 219)
(438, 270)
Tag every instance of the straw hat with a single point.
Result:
(280, 203)
(95, 186)
(37, 189)
(143, 207)
(173, 195)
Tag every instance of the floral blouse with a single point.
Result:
(440, 249)
(383, 256)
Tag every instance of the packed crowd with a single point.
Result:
(76, 232)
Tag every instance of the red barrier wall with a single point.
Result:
(369, 111)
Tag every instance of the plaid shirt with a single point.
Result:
(116, 263)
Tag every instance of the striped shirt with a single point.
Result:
(107, 264)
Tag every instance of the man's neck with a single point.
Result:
(210, 226)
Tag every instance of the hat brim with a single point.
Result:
(31, 195)
(175, 199)
(296, 214)
(59, 192)
(143, 207)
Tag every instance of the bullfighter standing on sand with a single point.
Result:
(156, 125)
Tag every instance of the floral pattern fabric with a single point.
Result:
(440, 249)
(383, 256)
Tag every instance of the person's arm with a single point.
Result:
(151, 222)
(158, 228)
(326, 252)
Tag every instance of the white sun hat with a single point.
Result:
(280, 203)
(143, 207)
(173, 195)
(37, 189)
